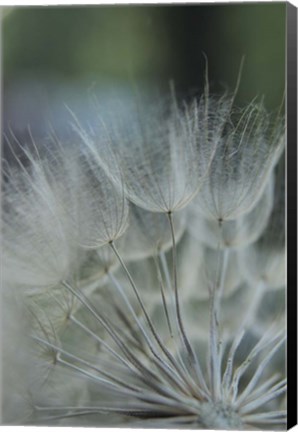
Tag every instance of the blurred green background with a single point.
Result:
(149, 45)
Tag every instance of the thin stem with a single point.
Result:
(273, 393)
(131, 357)
(262, 345)
(215, 302)
(100, 340)
(203, 388)
(167, 276)
(164, 301)
(111, 381)
(258, 372)
(192, 357)
(161, 345)
(215, 366)
(226, 381)
(266, 417)
(262, 389)
(122, 293)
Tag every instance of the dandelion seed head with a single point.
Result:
(219, 416)
(141, 315)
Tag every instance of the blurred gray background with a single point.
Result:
(54, 56)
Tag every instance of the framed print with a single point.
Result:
(148, 201)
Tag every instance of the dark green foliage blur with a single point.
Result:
(151, 44)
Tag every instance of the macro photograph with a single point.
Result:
(143, 216)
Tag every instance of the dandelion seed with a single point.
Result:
(39, 250)
(161, 156)
(148, 234)
(247, 151)
(97, 212)
(236, 233)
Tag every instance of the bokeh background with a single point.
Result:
(57, 56)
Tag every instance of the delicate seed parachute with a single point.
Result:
(248, 149)
(160, 157)
(142, 258)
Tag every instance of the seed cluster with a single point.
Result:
(144, 255)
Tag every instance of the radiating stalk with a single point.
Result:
(164, 301)
(156, 336)
(190, 351)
